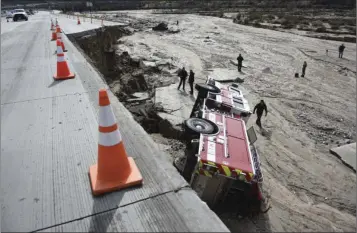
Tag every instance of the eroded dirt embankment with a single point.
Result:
(133, 81)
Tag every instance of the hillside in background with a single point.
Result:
(206, 4)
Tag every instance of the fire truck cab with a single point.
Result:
(228, 99)
(221, 162)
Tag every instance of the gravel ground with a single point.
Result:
(310, 189)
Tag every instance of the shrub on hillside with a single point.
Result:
(336, 22)
(255, 15)
(321, 29)
(288, 26)
(256, 24)
(304, 22)
(270, 17)
(317, 24)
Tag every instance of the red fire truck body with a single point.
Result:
(228, 150)
(221, 162)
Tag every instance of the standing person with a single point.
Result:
(340, 50)
(260, 107)
(183, 75)
(177, 22)
(326, 52)
(240, 61)
(191, 80)
(304, 69)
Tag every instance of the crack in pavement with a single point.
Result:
(50, 97)
(114, 208)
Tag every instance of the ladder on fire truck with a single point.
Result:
(256, 163)
(255, 156)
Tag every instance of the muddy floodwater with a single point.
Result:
(309, 189)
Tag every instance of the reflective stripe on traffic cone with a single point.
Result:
(59, 37)
(114, 170)
(62, 66)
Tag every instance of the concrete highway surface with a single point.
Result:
(49, 139)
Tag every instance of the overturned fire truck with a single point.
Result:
(221, 162)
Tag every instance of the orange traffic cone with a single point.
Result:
(78, 21)
(114, 170)
(62, 66)
(58, 29)
(54, 35)
(59, 37)
(51, 25)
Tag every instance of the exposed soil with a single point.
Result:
(134, 82)
(310, 189)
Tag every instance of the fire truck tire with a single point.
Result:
(198, 125)
(202, 87)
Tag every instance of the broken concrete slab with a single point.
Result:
(174, 29)
(144, 64)
(347, 154)
(177, 104)
(139, 96)
(224, 75)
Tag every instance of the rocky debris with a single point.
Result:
(138, 97)
(224, 74)
(144, 64)
(134, 80)
(233, 62)
(347, 154)
(239, 80)
(267, 71)
(174, 29)
(161, 27)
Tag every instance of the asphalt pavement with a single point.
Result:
(49, 136)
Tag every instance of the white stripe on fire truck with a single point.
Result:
(212, 117)
(211, 145)
(225, 136)
(250, 154)
(231, 96)
(219, 98)
(211, 151)
(201, 143)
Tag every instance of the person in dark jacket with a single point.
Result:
(340, 50)
(304, 69)
(240, 62)
(260, 107)
(183, 75)
(191, 80)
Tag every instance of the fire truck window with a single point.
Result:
(238, 104)
(251, 135)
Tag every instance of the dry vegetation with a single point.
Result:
(337, 25)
